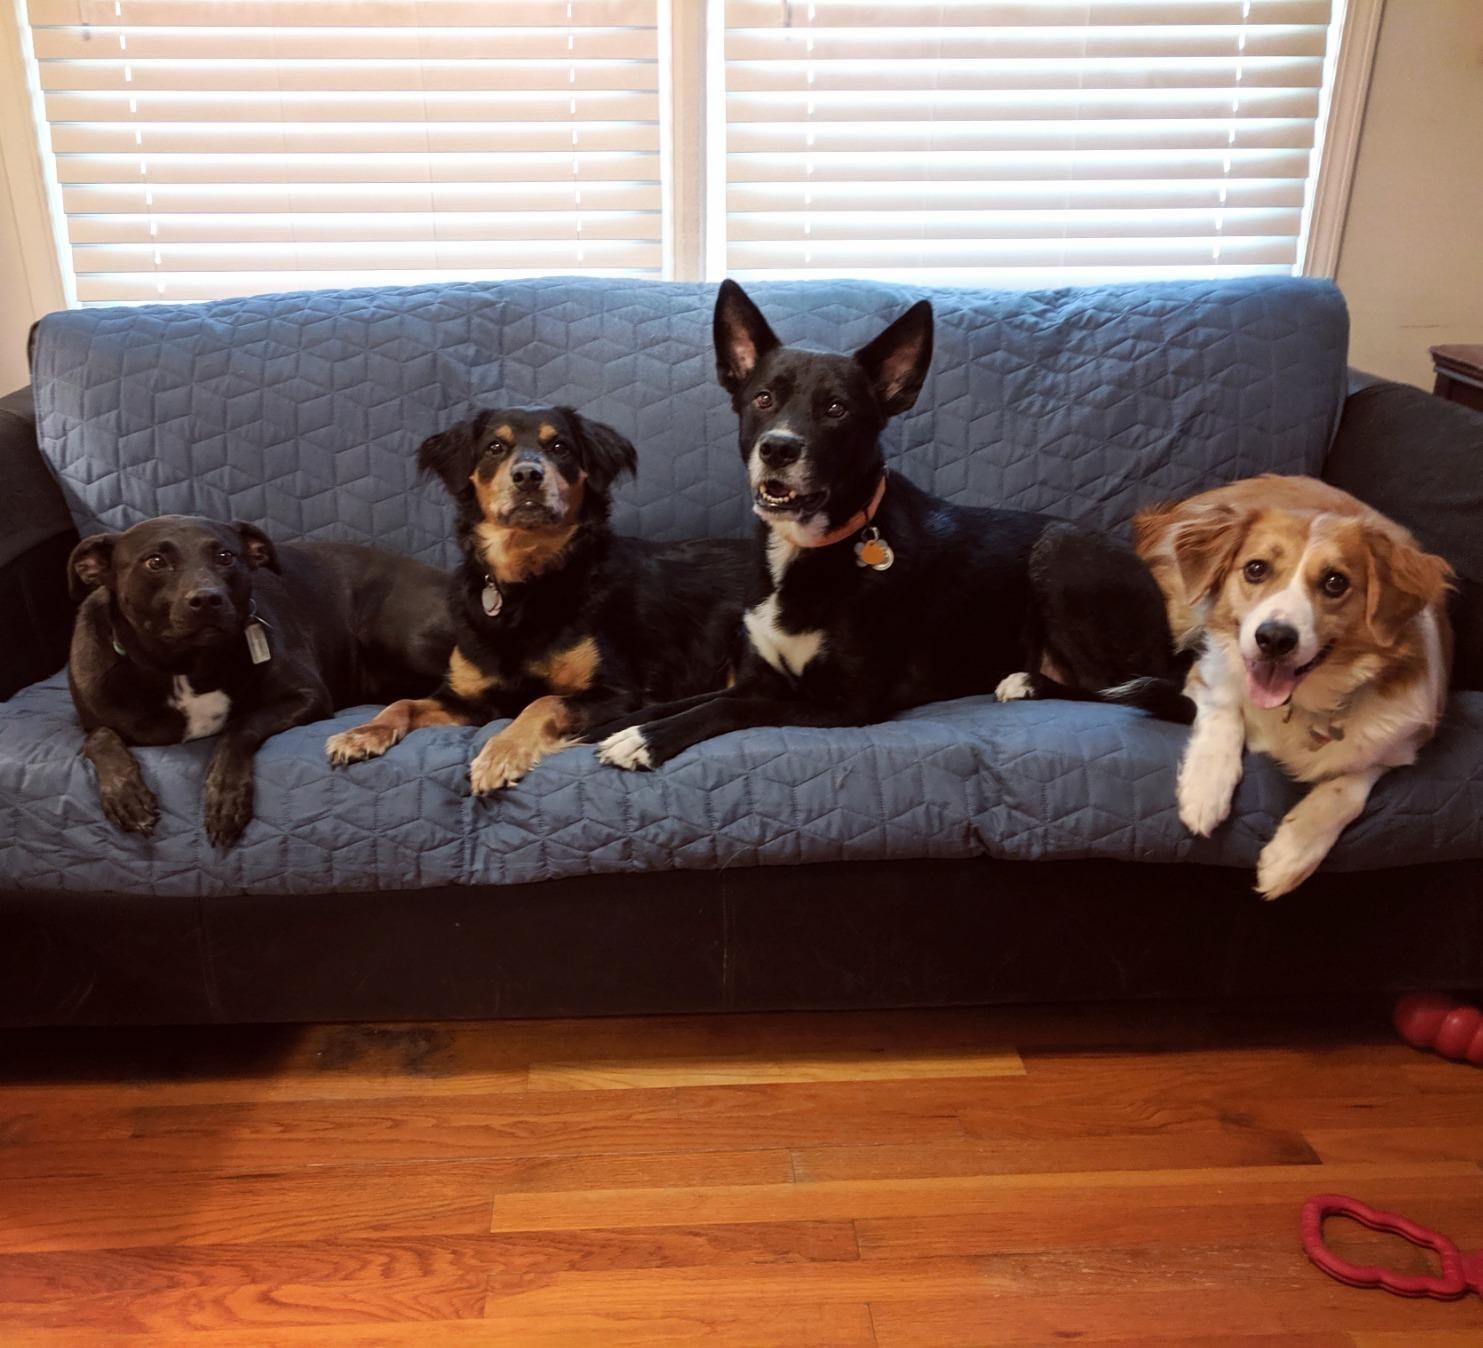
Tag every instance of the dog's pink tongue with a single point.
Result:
(1268, 683)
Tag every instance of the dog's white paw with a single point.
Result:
(1288, 859)
(627, 749)
(1014, 688)
(1207, 785)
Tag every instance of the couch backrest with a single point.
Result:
(302, 412)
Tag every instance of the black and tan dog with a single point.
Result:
(560, 623)
(870, 596)
(190, 628)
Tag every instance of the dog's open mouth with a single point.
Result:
(778, 498)
(1270, 683)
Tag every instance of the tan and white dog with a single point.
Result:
(1326, 646)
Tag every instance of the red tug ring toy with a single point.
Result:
(1461, 1273)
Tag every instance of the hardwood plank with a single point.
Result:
(1034, 1218)
(1454, 1142)
(844, 1065)
(274, 1135)
(715, 1325)
(1438, 1338)
(1173, 1290)
(163, 1288)
(866, 1199)
(190, 1064)
(79, 1068)
(430, 1198)
(1213, 1142)
(1113, 1315)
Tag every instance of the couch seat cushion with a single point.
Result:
(951, 780)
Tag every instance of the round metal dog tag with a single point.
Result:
(492, 600)
(873, 551)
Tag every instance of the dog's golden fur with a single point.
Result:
(1366, 683)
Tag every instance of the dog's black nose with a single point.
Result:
(528, 474)
(206, 599)
(778, 449)
(1276, 639)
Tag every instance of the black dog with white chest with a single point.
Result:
(189, 628)
(870, 596)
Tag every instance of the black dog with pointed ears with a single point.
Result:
(559, 623)
(868, 595)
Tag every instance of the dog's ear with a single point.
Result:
(90, 565)
(741, 334)
(1205, 545)
(605, 454)
(1400, 581)
(897, 360)
(448, 455)
(257, 547)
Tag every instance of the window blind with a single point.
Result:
(220, 147)
(1014, 142)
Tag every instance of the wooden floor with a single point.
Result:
(1021, 1177)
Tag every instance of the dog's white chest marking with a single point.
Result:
(205, 713)
(787, 652)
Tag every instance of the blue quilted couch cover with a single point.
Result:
(302, 412)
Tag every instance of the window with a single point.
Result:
(214, 147)
(1019, 141)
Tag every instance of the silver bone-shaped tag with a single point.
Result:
(257, 642)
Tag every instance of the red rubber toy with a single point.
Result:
(1461, 1273)
(1450, 1027)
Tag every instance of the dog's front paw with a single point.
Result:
(627, 749)
(1015, 688)
(364, 741)
(1207, 786)
(500, 763)
(228, 801)
(1288, 859)
(131, 806)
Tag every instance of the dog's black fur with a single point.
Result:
(972, 596)
(160, 651)
(590, 625)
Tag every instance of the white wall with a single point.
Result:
(1411, 261)
(17, 307)
(30, 278)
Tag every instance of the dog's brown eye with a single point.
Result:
(559, 447)
(154, 562)
(763, 400)
(836, 409)
(1255, 571)
(1334, 584)
(225, 558)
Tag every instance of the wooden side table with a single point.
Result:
(1459, 374)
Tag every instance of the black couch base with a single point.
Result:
(897, 934)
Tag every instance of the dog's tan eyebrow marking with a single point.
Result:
(547, 432)
(504, 432)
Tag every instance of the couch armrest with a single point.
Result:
(36, 536)
(1419, 459)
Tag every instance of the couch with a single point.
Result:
(965, 852)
